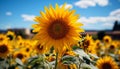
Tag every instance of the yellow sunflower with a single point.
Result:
(4, 49)
(107, 39)
(11, 35)
(106, 63)
(98, 44)
(19, 37)
(98, 47)
(87, 42)
(112, 47)
(27, 46)
(91, 49)
(21, 55)
(57, 27)
(28, 49)
(69, 52)
(50, 57)
(40, 49)
(3, 38)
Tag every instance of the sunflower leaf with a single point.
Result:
(86, 60)
(19, 61)
(69, 59)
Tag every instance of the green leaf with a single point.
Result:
(19, 61)
(69, 59)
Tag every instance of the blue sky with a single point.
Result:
(94, 14)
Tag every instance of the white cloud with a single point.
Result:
(27, 17)
(93, 20)
(108, 24)
(104, 21)
(115, 13)
(102, 2)
(8, 13)
(85, 3)
(91, 3)
(68, 6)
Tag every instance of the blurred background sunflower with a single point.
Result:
(106, 63)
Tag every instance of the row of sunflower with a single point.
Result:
(58, 44)
(19, 53)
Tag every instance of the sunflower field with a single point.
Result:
(58, 44)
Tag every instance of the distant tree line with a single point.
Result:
(116, 27)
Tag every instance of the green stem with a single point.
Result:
(56, 61)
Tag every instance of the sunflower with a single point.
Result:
(19, 37)
(107, 39)
(28, 49)
(57, 27)
(28, 46)
(3, 38)
(91, 49)
(112, 47)
(106, 63)
(117, 42)
(87, 42)
(20, 43)
(4, 49)
(98, 47)
(11, 35)
(69, 52)
(21, 55)
(98, 44)
(40, 49)
(50, 57)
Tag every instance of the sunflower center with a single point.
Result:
(1, 39)
(106, 40)
(20, 56)
(98, 44)
(86, 43)
(27, 49)
(112, 47)
(3, 48)
(39, 47)
(10, 37)
(106, 66)
(58, 29)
